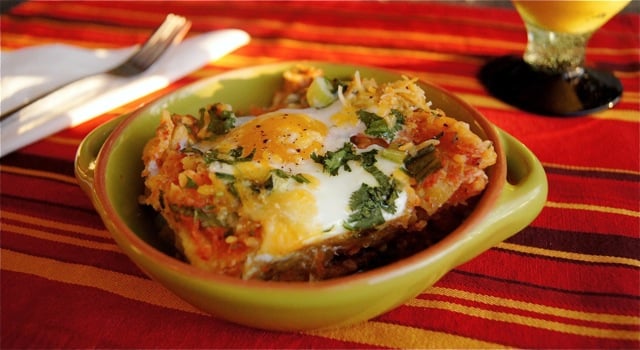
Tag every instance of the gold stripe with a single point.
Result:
(626, 115)
(150, 292)
(61, 239)
(485, 102)
(447, 79)
(630, 95)
(381, 52)
(235, 60)
(124, 285)
(597, 169)
(591, 207)
(601, 259)
(55, 224)
(38, 173)
(403, 337)
(527, 321)
(21, 40)
(408, 35)
(532, 307)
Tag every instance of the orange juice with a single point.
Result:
(566, 16)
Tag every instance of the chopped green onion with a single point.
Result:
(394, 155)
(321, 93)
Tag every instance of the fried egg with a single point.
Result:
(303, 192)
(297, 214)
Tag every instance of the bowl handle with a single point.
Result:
(521, 200)
(525, 191)
(87, 155)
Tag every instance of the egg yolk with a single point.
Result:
(279, 137)
(347, 116)
(288, 220)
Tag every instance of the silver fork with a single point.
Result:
(170, 32)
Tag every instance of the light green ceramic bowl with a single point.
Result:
(108, 166)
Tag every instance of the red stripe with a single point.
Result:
(572, 141)
(568, 189)
(81, 214)
(572, 276)
(588, 221)
(88, 236)
(96, 318)
(506, 333)
(66, 194)
(517, 311)
(79, 31)
(108, 260)
(578, 242)
(553, 296)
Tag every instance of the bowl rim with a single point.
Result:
(497, 175)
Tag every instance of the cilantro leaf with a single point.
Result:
(367, 213)
(333, 161)
(191, 183)
(233, 156)
(221, 119)
(299, 178)
(377, 126)
(204, 215)
(369, 202)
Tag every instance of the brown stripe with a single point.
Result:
(106, 257)
(594, 173)
(42, 163)
(19, 202)
(578, 242)
(554, 289)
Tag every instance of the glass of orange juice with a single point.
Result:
(551, 77)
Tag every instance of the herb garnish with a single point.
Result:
(225, 176)
(204, 215)
(378, 127)
(333, 161)
(423, 163)
(190, 183)
(369, 202)
(221, 119)
(233, 156)
(299, 178)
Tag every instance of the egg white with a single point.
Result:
(331, 194)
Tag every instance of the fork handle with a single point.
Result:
(6, 114)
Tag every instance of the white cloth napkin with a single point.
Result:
(31, 71)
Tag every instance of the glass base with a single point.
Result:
(513, 81)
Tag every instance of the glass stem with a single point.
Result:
(556, 53)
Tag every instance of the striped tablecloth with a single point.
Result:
(569, 280)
